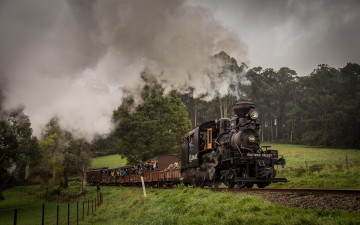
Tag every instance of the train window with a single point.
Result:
(202, 141)
(209, 138)
(191, 143)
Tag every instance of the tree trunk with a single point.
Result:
(66, 173)
(291, 131)
(225, 109)
(276, 129)
(272, 132)
(221, 109)
(83, 186)
(262, 130)
(195, 113)
(27, 172)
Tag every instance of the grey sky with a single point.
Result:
(74, 58)
(299, 34)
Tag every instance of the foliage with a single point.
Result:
(18, 148)
(155, 127)
(62, 155)
(227, 80)
(321, 109)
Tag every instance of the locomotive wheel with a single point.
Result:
(249, 185)
(262, 185)
(241, 184)
(216, 184)
(229, 183)
(199, 181)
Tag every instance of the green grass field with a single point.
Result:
(29, 199)
(110, 161)
(182, 205)
(309, 167)
(306, 167)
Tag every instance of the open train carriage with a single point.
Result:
(93, 177)
(156, 174)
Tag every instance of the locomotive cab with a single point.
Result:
(197, 142)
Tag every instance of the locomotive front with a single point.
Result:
(243, 161)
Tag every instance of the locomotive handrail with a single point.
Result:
(239, 150)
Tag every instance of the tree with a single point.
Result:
(18, 148)
(53, 156)
(79, 158)
(156, 127)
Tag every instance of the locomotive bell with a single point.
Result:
(242, 108)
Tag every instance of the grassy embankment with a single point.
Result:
(182, 205)
(306, 167)
(309, 167)
(110, 161)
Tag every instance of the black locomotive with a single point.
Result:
(228, 151)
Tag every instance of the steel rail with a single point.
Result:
(291, 190)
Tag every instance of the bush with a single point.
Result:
(316, 168)
(299, 171)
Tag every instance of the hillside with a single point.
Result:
(110, 161)
(182, 205)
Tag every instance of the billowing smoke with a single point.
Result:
(72, 59)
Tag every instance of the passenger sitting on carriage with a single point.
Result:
(155, 164)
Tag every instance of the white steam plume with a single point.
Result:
(71, 59)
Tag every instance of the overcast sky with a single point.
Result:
(73, 58)
(299, 34)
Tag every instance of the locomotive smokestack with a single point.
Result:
(242, 108)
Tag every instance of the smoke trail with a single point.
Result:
(72, 59)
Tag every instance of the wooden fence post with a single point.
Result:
(57, 215)
(43, 215)
(15, 216)
(143, 186)
(68, 213)
(77, 212)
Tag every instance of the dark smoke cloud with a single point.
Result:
(72, 59)
(296, 34)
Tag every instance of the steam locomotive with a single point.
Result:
(228, 151)
(225, 151)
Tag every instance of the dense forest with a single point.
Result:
(321, 109)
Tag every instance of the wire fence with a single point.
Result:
(51, 213)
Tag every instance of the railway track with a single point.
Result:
(290, 190)
(352, 192)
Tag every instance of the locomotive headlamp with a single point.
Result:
(254, 115)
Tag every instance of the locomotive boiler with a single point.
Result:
(228, 151)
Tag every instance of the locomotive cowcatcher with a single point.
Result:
(228, 151)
